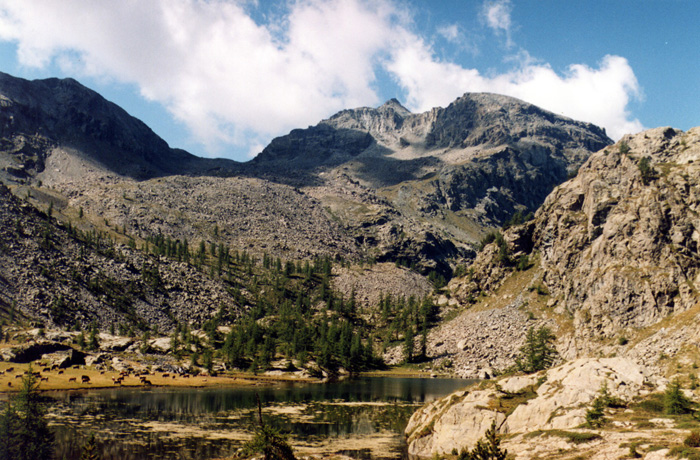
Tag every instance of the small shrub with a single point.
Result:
(685, 452)
(488, 239)
(539, 288)
(622, 340)
(575, 437)
(633, 452)
(487, 448)
(646, 170)
(654, 404)
(523, 263)
(624, 148)
(693, 439)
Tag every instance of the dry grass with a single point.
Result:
(71, 379)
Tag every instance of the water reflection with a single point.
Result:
(206, 423)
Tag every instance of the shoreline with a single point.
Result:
(71, 379)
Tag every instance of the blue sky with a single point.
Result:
(222, 78)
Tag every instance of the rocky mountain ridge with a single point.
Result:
(384, 184)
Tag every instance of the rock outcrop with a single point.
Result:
(555, 399)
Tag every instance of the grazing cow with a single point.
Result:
(84, 379)
(165, 376)
(2, 372)
(19, 376)
(9, 384)
(60, 372)
(44, 379)
(72, 379)
(10, 369)
(146, 382)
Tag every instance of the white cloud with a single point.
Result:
(597, 95)
(496, 14)
(232, 80)
(450, 32)
(226, 77)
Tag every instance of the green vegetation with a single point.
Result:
(268, 441)
(693, 439)
(24, 431)
(675, 401)
(90, 449)
(646, 170)
(595, 415)
(487, 448)
(624, 148)
(518, 219)
(508, 402)
(538, 352)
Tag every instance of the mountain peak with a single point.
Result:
(394, 105)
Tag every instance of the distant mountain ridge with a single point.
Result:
(416, 189)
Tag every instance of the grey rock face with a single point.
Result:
(41, 113)
(618, 247)
(454, 171)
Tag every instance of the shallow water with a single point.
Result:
(363, 418)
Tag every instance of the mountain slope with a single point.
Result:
(38, 116)
(58, 274)
(447, 174)
(376, 184)
(616, 253)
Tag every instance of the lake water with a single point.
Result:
(363, 418)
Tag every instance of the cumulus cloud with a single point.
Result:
(597, 95)
(234, 81)
(228, 78)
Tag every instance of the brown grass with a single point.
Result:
(98, 379)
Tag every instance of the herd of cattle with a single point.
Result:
(43, 375)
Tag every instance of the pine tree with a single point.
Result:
(538, 352)
(408, 345)
(675, 401)
(487, 448)
(26, 425)
(90, 449)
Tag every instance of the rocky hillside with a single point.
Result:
(548, 415)
(611, 259)
(54, 273)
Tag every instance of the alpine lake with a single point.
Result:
(362, 418)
